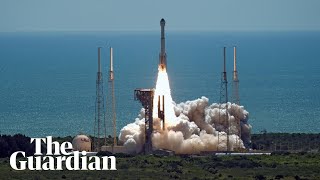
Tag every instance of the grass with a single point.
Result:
(297, 157)
(290, 166)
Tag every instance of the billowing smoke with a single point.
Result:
(190, 127)
(197, 127)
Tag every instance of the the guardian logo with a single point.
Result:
(60, 158)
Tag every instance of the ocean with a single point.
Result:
(48, 79)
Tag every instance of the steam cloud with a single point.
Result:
(197, 127)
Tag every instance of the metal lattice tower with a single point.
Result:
(224, 96)
(99, 123)
(235, 87)
(111, 105)
(145, 96)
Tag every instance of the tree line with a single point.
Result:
(18, 142)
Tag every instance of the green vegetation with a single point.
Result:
(294, 156)
(286, 142)
(289, 166)
(18, 142)
(10, 144)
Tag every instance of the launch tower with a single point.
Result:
(111, 103)
(235, 88)
(145, 96)
(224, 97)
(99, 123)
(235, 83)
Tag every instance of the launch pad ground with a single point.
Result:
(275, 166)
(295, 156)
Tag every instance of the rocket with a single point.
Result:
(163, 55)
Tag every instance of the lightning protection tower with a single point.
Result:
(111, 104)
(235, 88)
(235, 83)
(224, 97)
(99, 138)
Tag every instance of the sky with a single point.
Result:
(144, 15)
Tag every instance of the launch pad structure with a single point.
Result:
(235, 82)
(224, 94)
(224, 98)
(235, 88)
(145, 96)
(111, 110)
(101, 107)
(111, 105)
(100, 135)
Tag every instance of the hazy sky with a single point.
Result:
(189, 15)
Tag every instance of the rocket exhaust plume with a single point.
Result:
(190, 127)
(163, 90)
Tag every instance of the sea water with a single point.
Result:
(48, 79)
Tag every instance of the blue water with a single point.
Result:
(47, 80)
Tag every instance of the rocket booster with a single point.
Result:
(163, 55)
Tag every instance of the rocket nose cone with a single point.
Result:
(162, 21)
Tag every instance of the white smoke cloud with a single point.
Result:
(197, 127)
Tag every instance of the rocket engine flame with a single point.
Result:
(163, 89)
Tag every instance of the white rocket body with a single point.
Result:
(163, 55)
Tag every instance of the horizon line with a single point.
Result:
(156, 31)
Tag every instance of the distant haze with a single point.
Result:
(144, 15)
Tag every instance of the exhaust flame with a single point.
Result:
(163, 89)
